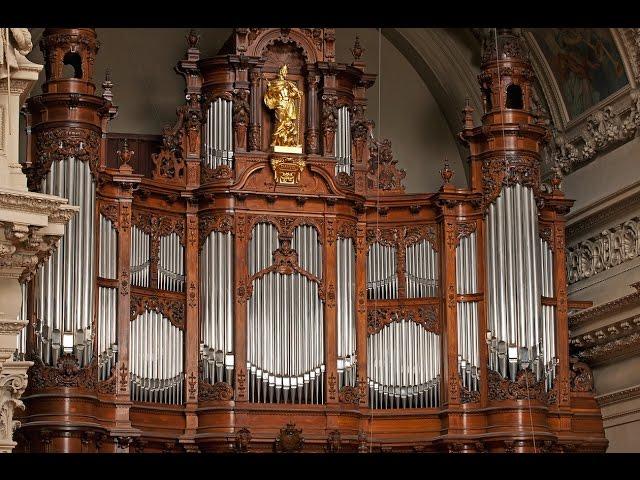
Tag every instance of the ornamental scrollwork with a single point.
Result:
(383, 173)
(349, 394)
(524, 387)
(425, 315)
(507, 171)
(168, 166)
(581, 376)
(172, 309)
(220, 391)
(57, 144)
(289, 439)
(221, 172)
(222, 223)
(610, 248)
(66, 373)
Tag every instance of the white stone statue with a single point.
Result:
(14, 46)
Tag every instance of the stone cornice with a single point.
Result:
(609, 343)
(34, 203)
(609, 308)
(602, 211)
(618, 396)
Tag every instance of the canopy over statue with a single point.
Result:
(285, 98)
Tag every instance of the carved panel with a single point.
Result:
(525, 387)
(383, 173)
(424, 315)
(66, 373)
(56, 144)
(508, 170)
(171, 308)
(220, 391)
(220, 222)
(612, 247)
(168, 166)
(290, 439)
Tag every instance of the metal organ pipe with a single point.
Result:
(216, 267)
(218, 141)
(285, 344)
(421, 270)
(403, 366)
(342, 143)
(517, 271)
(157, 371)
(64, 304)
(382, 279)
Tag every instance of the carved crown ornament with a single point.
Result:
(60, 143)
(425, 315)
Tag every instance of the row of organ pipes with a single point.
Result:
(65, 299)
(518, 335)
(285, 324)
(218, 138)
(342, 147)
(345, 315)
(171, 264)
(421, 270)
(156, 359)
(140, 257)
(285, 351)
(382, 277)
(467, 312)
(216, 347)
(403, 366)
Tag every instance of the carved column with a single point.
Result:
(125, 181)
(361, 310)
(311, 133)
(240, 295)
(255, 125)
(329, 115)
(192, 334)
(330, 319)
(449, 340)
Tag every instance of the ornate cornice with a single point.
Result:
(30, 202)
(601, 217)
(609, 308)
(618, 396)
(610, 248)
(609, 343)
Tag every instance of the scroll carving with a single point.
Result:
(613, 247)
(424, 315)
(56, 144)
(507, 171)
(290, 439)
(66, 373)
(168, 166)
(110, 212)
(173, 309)
(220, 391)
(525, 387)
(349, 394)
(581, 376)
(384, 173)
(214, 223)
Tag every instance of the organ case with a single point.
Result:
(234, 301)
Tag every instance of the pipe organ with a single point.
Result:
(269, 283)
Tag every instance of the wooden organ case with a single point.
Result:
(238, 295)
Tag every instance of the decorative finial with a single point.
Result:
(107, 85)
(357, 49)
(125, 155)
(446, 173)
(467, 112)
(193, 39)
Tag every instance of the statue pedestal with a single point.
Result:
(30, 226)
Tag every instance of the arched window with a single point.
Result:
(72, 65)
(514, 97)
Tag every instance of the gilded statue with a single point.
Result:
(284, 97)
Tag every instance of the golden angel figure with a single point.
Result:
(284, 97)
